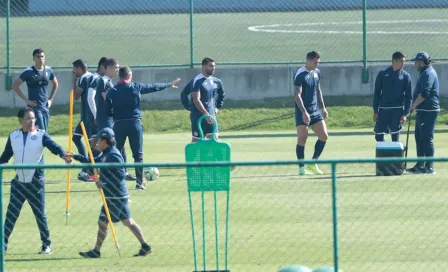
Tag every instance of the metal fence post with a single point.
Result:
(8, 76)
(335, 216)
(365, 70)
(2, 231)
(191, 34)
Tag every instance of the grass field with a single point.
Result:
(346, 112)
(274, 37)
(277, 218)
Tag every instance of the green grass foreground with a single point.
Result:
(277, 218)
(345, 112)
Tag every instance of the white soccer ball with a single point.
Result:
(151, 173)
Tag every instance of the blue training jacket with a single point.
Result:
(112, 178)
(392, 90)
(428, 87)
(123, 101)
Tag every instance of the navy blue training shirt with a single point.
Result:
(37, 82)
(392, 90)
(428, 87)
(84, 82)
(308, 80)
(123, 101)
(102, 86)
(212, 93)
(112, 179)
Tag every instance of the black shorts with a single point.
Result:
(315, 118)
(90, 130)
(118, 209)
(388, 121)
(207, 129)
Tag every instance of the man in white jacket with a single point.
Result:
(26, 145)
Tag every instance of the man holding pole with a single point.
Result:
(113, 183)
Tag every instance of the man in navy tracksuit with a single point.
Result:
(27, 146)
(113, 182)
(123, 104)
(36, 78)
(102, 86)
(427, 106)
(392, 99)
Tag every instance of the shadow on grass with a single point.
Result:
(260, 122)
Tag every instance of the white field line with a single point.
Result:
(277, 28)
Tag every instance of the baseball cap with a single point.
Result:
(421, 56)
(106, 133)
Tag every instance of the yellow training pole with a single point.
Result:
(84, 133)
(70, 144)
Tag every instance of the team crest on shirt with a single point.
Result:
(215, 85)
(400, 77)
(315, 75)
(34, 137)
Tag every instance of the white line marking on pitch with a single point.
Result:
(274, 28)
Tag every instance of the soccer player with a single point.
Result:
(308, 99)
(392, 99)
(36, 78)
(207, 97)
(27, 146)
(113, 182)
(83, 81)
(123, 104)
(427, 106)
(98, 89)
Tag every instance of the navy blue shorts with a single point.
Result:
(118, 209)
(315, 118)
(206, 127)
(388, 121)
(90, 130)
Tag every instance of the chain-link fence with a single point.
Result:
(389, 223)
(182, 32)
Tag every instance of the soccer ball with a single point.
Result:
(151, 173)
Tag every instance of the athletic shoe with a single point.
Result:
(140, 186)
(83, 176)
(304, 172)
(93, 177)
(314, 169)
(430, 170)
(90, 254)
(144, 250)
(417, 169)
(46, 250)
(130, 177)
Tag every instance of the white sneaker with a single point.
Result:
(46, 250)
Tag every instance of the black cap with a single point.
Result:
(106, 133)
(421, 56)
